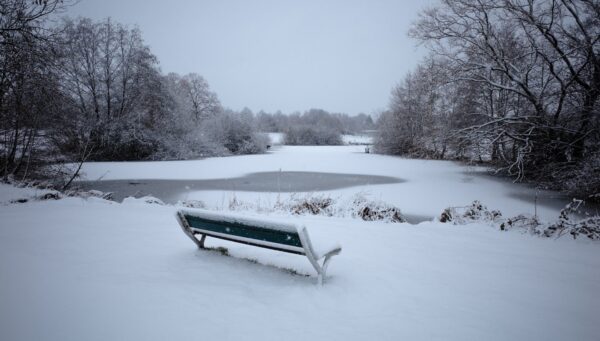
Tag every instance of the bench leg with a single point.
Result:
(317, 266)
(321, 269)
(201, 241)
(188, 231)
(326, 263)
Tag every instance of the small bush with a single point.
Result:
(522, 222)
(312, 205)
(50, 196)
(589, 227)
(192, 204)
(474, 212)
(372, 210)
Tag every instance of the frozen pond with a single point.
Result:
(274, 182)
(420, 188)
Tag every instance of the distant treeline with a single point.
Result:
(314, 127)
(512, 83)
(82, 90)
(76, 90)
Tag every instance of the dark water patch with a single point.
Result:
(275, 182)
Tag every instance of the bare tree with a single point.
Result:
(537, 64)
(519, 87)
(204, 102)
(107, 72)
(28, 86)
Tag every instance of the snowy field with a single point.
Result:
(90, 269)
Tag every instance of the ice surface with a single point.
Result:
(429, 187)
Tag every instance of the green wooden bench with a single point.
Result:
(278, 236)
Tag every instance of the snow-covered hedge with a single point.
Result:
(567, 223)
(357, 206)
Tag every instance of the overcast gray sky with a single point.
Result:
(341, 56)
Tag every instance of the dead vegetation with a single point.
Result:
(358, 206)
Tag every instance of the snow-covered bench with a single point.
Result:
(257, 232)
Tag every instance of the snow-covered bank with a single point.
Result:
(76, 269)
(10, 193)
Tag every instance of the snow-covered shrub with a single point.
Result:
(566, 223)
(311, 205)
(236, 132)
(371, 210)
(188, 145)
(588, 227)
(358, 206)
(523, 222)
(54, 195)
(472, 213)
(191, 203)
(256, 144)
(312, 135)
(235, 204)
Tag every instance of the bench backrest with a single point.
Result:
(277, 236)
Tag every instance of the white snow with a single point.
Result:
(142, 201)
(276, 138)
(9, 193)
(90, 269)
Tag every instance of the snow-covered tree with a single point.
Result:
(524, 82)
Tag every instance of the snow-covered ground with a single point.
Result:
(90, 269)
(77, 269)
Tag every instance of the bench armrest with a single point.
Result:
(314, 257)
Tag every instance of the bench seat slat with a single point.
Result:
(237, 230)
(253, 242)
